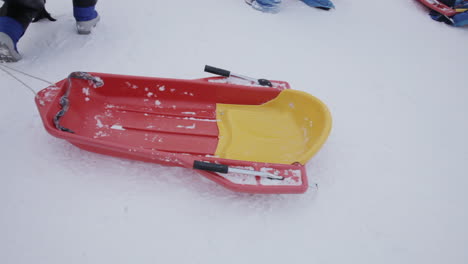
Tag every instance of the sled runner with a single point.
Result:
(244, 136)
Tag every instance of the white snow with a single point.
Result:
(200, 119)
(392, 177)
(99, 123)
(192, 126)
(117, 127)
(86, 91)
(48, 95)
(100, 134)
(109, 106)
(131, 85)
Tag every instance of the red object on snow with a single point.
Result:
(439, 7)
(159, 120)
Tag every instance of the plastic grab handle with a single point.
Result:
(217, 71)
(265, 82)
(208, 166)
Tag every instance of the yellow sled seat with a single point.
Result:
(290, 128)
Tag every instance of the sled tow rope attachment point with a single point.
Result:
(65, 103)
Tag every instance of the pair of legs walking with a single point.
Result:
(16, 15)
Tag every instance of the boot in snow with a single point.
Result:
(86, 19)
(10, 33)
(321, 4)
(266, 6)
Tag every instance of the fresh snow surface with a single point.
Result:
(392, 177)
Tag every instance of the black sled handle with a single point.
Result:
(217, 71)
(208, 166)
(265, 82)
(226, 73)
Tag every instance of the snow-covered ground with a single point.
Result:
(393, 176)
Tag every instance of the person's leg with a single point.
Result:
(461, 19)
(15, 17)
(23, 11)
(85, 15)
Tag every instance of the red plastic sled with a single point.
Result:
(439, 7)
(174, 122)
